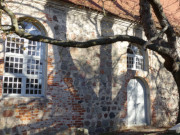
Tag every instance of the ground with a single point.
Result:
(143, 131)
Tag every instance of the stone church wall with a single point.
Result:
(85, 88)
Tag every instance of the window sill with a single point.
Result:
(26, 102)
(23, 97)
(135, 69)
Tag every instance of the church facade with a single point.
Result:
(46, 89)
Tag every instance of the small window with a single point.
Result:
(24, 64)
(135, 60)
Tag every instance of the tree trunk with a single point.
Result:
(176, 76)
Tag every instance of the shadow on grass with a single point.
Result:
(128, 132)
(141, 133)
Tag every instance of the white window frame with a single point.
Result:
(135, 64)
(24, 74)
(132, 60)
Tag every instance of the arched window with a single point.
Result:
(135, 59)
(24, 64)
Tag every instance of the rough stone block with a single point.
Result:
(8, 113)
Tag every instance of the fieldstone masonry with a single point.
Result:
(86, 88)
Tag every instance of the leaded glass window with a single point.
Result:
(135, 60)
(24, 66)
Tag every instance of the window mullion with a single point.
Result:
(134, 63)
(25, 56)
(23, 88)
(43, 58)
(24, 66)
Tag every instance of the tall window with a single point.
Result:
(135, 58)
(24, 64)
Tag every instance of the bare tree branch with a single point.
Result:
(163, 50)
(100, 41)
(147, 20)
(158, 10)
(85, 44)
(1, 17)
(155, 37)
(151, 31)
(6, 28)
(14, 21)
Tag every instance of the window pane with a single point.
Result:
(33, 86)
(15, 65)
(33, 67)
(34, 48)
(14, 45)
(11, 85)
